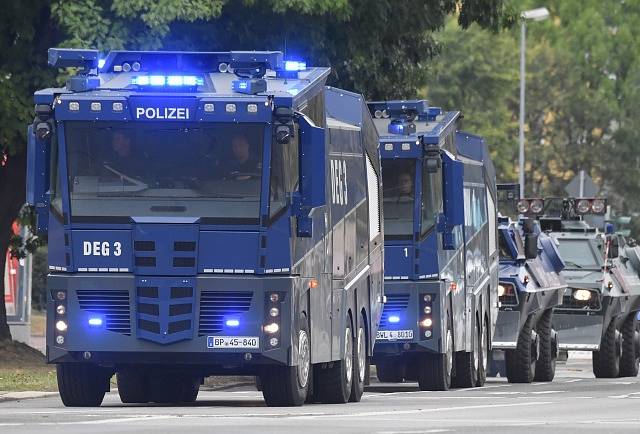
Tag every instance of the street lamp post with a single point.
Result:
(538, 14)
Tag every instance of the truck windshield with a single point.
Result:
(578, 254)
(398, 197)
(212, 171)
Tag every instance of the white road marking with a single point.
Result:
(414, 432)
(574, 380)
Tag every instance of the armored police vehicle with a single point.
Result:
(525, 344)
(441, 258)
(208, 213)
(599, 312)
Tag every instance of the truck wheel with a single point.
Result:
(521, 362)
(434, 372)
(546, 363)
(483, 339)
(606, 361)
(359, 364)
(287, 386)
(82, 385)
(390, 370)
(467, 363)
(133, 386)
(173, 389)
(333, 383)
(630, 359)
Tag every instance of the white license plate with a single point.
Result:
(233, 342)
(392, 335)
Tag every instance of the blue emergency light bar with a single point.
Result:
(394, 319)
(249, 86)
(167, 80)
(294, 65)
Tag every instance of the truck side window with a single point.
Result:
(431, 199)
(284, 173)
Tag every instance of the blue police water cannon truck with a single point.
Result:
(525, 344)
(600, 308)
(441, 258)
(208, 213)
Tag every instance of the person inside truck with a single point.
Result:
(244, 165)
(405, 187)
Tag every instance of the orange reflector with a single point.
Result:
(454, 286)
(313, 283)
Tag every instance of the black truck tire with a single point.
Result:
(81, 384)
(467, 363)
(606, 361)
(173, 388)
(630, 359)
(546, 363)
(434, 372)
(390, 370)
(133, 386)
(360, 360)
(483, 362)
(288, 386)
(521, 362)
(333, 382)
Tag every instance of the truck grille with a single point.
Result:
(396, 303)
(216, 305)
(114, 305)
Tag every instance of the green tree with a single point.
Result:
(380, 48)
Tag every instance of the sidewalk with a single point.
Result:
(17, 396)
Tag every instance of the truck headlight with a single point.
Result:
(582, 294)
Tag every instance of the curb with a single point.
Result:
(18, 396)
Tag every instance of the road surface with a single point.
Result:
(574, 403)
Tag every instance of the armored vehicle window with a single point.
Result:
(431, 199)
(158, 169)
(578, 254)
(284, 173)
(398, 180)
(55, 180)
(503, 243)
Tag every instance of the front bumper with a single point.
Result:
(146, 327)
(580, 332)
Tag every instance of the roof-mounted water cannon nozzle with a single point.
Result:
(86, 60)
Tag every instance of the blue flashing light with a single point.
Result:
(232, 323)
(168, 80)
(243, 85)
(157, 80)
(95, 322)
(394, 319)
(101, 63)
(294, 65)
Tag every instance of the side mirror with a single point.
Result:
(312, 165)
(531, 246)
(453, 200)
(38, 176)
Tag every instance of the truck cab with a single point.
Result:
(441, 258)
(525, 345)
(207, 213)
(599, 311)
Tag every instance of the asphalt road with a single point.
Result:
(574, 402)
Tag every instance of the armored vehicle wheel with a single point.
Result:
(521, 362)
(435, 370)
(467, 363)
(390, 370)
(173, 389)
(546, 363)
(630, 359)
(483, 339)
(359, 364)
(333, 383)
(81, 384)
(133, 386)
(606, 361)
(286, 386)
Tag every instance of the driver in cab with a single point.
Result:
(243, 165)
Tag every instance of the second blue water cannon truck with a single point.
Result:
(441, 257)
